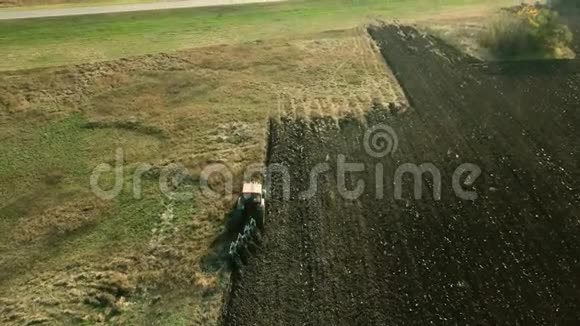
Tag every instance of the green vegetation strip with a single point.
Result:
(65, 40)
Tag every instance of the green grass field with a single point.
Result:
(60, 41)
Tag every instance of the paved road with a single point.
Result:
(40, 13)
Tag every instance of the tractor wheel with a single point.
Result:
(236, 222)
(260, 217)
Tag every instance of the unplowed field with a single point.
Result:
(509, 257)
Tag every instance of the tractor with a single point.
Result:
(247, 219)
(250, 205)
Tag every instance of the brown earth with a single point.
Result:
(509, 257)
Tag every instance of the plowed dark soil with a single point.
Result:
(510, 257)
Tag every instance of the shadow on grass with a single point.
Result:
(218, 253)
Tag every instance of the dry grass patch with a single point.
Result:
(59, 221)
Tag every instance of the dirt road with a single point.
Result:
(40, 13)
(510, 257)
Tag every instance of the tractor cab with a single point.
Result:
(251, 204)
(252, 192)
